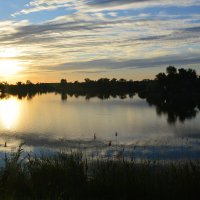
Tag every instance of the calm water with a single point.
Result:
(47, 121)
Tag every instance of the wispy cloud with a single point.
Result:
(108, 64)
(98, 37)
(86, 38)
(95, 5)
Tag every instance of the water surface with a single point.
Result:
(47, 121)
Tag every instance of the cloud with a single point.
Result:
(108, 64)
(115, 2)
(93, 41)
(99, 5)
(94, 28)
(195, 29)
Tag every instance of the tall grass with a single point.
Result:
(70, 176)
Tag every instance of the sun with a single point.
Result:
(9, 67)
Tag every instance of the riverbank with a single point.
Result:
(71, 176)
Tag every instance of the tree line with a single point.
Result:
(175, 93)
(102, 87)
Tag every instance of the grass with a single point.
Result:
(70, 176)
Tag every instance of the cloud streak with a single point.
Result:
(97, 36)
(94, 5)
(130, 64)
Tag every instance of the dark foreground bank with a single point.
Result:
(65, 176)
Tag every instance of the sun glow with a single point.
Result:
(9, 112)
(9, 67)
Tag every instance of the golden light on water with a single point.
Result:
(9, 67)
(9, 113)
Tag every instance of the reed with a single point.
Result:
(72, 176)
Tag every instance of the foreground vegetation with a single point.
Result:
(64, 176)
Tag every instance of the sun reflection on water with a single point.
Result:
(9, 113)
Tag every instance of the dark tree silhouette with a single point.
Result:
(171, 70)
(175, 94)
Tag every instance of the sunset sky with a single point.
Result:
(46, 40)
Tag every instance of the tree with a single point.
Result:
(161, 77)
(114, 80)
(103, 80)
(63, 81)
(28, 82)
(171, 70)
(87, 80)
(122, 80)
(19, 83)
(63, 84)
